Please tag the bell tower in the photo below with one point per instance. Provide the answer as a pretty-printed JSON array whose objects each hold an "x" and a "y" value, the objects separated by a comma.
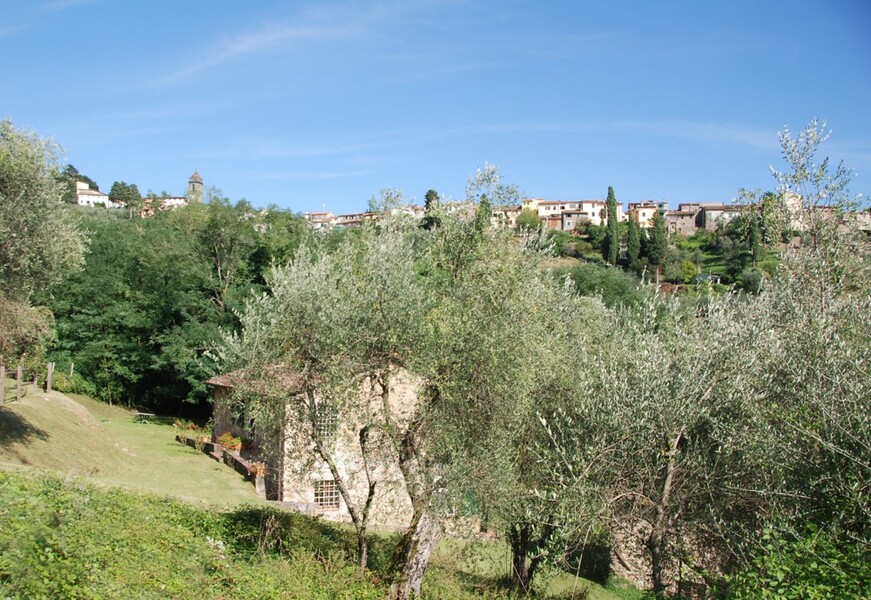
[{"x": 195, "y": 188}]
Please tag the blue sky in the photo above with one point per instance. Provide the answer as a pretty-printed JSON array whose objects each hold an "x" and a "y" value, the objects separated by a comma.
[{"x": 321, "y": 104}]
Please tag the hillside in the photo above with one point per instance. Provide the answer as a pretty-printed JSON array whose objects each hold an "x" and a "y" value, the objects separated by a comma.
[
  {"x": 78, "y": 436},
  {"x": 96, "y": 505}
]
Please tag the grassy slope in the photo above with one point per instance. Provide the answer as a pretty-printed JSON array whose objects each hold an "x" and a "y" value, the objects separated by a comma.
[
  {"x": 79, "y": 436},
  {"x": 68, "y": 539}
]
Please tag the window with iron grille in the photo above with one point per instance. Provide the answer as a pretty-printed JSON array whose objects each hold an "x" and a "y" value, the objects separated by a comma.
[
  {"x": 326, "y": 494},
  {"x": 326, "y": 422}
]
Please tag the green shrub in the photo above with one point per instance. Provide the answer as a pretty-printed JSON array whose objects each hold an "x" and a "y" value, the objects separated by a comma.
[
  {"x": 72, "y": 385},
  {"x": 751, "y": 280},
  {"x": 819, "y": 565},
  {"x": 613, "y": 285}
]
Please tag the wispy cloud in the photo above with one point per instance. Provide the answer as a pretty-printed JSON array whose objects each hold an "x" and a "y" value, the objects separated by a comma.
[
  {"x": 257, "y": 41},
  {"x": 731, "y": 133},
  {"x": 324, "y": 23},
  {"x": 29, "y": 17},
  {"x": 276, "y": 149}
]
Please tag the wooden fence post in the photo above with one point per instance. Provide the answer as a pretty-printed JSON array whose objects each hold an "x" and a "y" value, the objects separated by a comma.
[
  {"x": 48, "y": 377},
  {"x": 2, "y": 383},
  {"x": 72, "y": 364}
]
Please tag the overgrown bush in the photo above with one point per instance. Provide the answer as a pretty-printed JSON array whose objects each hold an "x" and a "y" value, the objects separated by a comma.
[
  {"x": 817, "y": 565},
  {"x": 615, "y": 286},
  {"x": 72, "y": 385}
]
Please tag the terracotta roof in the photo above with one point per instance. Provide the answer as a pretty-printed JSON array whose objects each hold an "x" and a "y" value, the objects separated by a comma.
[{"x": 277, "y": 378}]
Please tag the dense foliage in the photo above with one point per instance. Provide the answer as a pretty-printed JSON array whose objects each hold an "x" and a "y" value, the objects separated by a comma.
[
  {"x": 40, "y": 241},
  {"x": 154, "y": 294}
]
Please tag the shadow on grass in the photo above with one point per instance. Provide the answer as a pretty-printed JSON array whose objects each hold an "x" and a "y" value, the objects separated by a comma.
[
  {"x": 257, "y": 530},
  {"x": 16, "y": 429}
]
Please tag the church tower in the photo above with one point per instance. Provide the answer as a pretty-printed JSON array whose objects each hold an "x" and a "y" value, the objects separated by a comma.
[{"x": 195, "y": 188}]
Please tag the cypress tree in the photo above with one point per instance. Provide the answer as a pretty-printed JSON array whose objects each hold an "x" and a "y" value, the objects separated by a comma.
[
  {"x": 611, "y": 246},
  {"x": 754, "y": 238},
  {"x": 657, "y": 243},
  {"x": 431, "y": 217},
  {"x": 483, "y": 214},
  {"x": 633, "y": 241}
]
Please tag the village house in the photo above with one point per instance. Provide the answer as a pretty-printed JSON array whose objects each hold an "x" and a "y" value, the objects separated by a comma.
[
  {"x": 681, "y": 221},
  {"x": 688, "y": 218},
  {"x": 505, "y": 216},
  {"x": 85, "y": 196},
  {"x": 565, "y": 215},
  {"x": 352, "y": 220},
  {"x": 412, "y": 210},
  {"x": 715, "y": 216},
  {"x": 323, "y": 220},
  {"x": 297, "y": 476},
  {"x": 643, "y": 212}
]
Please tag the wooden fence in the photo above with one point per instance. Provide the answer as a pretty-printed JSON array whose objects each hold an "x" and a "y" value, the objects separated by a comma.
[{"x": 20, "y": 382}]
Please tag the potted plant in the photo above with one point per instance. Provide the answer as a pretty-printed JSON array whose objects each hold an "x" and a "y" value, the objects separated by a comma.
[{"x": 230, "y": 441}]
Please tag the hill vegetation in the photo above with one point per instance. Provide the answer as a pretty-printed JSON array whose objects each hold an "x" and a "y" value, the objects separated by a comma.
[{"x": 720, "y": 438}]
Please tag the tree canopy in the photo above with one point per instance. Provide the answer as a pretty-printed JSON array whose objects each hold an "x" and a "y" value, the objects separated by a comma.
[
  {"x": 40, "y": 242},
  {"x": 154, "y": 293}
]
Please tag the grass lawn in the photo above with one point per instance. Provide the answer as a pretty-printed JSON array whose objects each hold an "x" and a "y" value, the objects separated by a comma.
[{"x": 80, "y": 436}]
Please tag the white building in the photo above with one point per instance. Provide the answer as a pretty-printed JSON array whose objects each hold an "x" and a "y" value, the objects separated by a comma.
[{"x": 85, "y": 196}]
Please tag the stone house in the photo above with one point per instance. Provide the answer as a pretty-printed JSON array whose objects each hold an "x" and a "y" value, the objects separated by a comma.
[
  {"x": 682, "y": 222},
  {"x": 715, "y": 216},
  {"x": 297, "y": 476}
]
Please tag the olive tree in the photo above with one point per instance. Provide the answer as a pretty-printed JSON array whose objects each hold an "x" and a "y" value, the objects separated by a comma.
[
  {"x": 645, "y": 431},
  {"x": 40, "y": 242},
  {"x": 390, "y": 303},
  {"x": 807, "y": 384},
  {"x": 487, "y": 183},
  {"x": 331, "y": 321},
  {"x": 507, "y": 331}
]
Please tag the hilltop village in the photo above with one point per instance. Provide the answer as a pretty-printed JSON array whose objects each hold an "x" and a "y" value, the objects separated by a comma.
[
  {"x": 566, "y": 215},
  {"x": 554, "y": 215},
  {"x": 570, "y": 215}
]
